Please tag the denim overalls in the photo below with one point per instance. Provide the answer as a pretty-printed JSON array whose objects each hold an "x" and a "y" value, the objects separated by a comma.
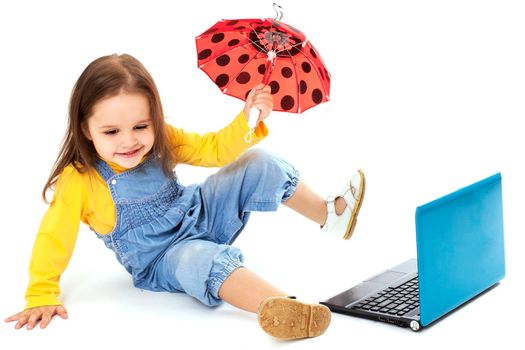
[{"x": 177, "y": 239}]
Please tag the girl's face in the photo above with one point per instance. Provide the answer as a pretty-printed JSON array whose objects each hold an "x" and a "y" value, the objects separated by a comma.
[{"x": 121, "y": 129}]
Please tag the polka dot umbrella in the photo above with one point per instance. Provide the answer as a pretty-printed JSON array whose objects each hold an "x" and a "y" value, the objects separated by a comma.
[{"x": 241, "y": 53}]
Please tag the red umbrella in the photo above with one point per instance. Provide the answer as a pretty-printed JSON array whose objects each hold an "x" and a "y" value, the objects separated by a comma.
[{"x": 240, "y": 53}]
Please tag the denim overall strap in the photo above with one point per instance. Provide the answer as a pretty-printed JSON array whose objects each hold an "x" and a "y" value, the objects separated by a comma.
[{"x": 104, "y": 170}]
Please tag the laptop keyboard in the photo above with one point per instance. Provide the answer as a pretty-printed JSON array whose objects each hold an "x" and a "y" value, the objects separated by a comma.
[{"x": 397, "y": 301}]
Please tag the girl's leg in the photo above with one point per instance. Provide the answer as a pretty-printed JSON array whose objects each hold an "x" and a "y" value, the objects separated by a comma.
[
  {"x": 309, "y": 204},
  {"x": 236, "y": 292},
  {"x": 257, "y": 181},
  {"x": 278, "y": 315}
]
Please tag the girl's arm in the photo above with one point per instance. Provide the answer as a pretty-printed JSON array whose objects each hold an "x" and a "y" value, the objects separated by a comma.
[
  {"x": 52, "y": 250},
  {"x": 224, "y": 146}
]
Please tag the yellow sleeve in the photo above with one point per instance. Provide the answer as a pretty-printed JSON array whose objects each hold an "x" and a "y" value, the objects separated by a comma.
[
  {"x": 55, "y": 240},
  {"x": 214, "y": 148}
]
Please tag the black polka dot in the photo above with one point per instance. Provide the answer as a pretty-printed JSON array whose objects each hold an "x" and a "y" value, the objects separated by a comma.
[
  {"x": 254, "y": 38},
  {"x": 302, "y": 87},
  {"x": 240, "y": 28},
  {"x": 244, "y": 58},
  {"x": 216, "y": 38},
  {"x": 223, "y": 60},
  {"x": 233, "y": 42},
  {"x": 317, "y": 96},
  {"x": 306, "y": 67},
  {"x": 232, "y": 23},
  {"x": 222, "y": 80},
  {"x": 204, "y": 54},
  {"x": 314, "y": 54},
  {"x": 262, "y": 68},
  {"x": 286, "y": 72},
  {"x": 287, "y": 102},
  {"x": 275, "y": 87},
  {"x": 243, "y": 78},
  {"x": 321, "y": 73}
]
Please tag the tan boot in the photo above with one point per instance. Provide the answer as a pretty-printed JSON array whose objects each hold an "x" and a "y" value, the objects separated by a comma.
[{"x": 288, "y": 318}]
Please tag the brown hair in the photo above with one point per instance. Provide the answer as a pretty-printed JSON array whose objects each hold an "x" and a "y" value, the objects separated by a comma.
[{"x": 107, "y": 76}]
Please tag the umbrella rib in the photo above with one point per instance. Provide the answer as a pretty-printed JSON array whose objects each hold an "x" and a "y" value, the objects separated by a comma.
[
  {"x": 253, "y": 42},
  {"x": 291, "y": 47}
]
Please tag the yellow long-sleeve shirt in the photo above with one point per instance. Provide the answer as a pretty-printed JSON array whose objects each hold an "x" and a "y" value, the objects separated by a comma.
[{"x": 84, "y": 197}]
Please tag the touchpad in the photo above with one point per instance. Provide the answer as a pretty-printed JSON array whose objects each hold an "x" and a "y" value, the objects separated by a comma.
[{"x": 386, "y": 277}]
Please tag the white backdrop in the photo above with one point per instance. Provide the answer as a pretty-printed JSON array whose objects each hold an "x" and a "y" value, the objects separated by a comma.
[{"x": 427, "y": 97}]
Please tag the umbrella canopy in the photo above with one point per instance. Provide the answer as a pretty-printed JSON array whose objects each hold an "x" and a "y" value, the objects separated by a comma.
[{"x": 238, "y": 54}]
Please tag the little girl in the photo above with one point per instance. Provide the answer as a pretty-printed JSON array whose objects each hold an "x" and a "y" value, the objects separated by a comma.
[{"x": 114, "y": 172}]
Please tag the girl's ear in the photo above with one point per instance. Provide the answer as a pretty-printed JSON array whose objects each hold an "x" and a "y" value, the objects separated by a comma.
[{"x": 85, "y": 131}]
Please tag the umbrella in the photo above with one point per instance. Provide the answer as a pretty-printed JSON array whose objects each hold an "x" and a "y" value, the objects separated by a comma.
[{"x": 241, "y": 53}]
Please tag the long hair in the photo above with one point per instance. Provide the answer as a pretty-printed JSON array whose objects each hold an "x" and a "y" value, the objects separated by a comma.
[{"x": 107, "y": 76}]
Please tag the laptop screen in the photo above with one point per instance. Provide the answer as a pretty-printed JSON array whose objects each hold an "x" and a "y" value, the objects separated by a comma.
[{"x": 460, "y": 249}]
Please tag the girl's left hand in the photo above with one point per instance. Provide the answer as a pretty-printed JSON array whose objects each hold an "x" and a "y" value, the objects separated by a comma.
[{"x": 260, "y": 97}]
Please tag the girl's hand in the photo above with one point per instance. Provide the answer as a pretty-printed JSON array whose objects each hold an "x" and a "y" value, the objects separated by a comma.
[
  {"x": 44, "y": 314},
  {"x": 260, "y": 97}
]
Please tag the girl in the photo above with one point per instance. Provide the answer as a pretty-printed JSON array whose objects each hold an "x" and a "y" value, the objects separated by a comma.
[{"x": 114, "y": 172}]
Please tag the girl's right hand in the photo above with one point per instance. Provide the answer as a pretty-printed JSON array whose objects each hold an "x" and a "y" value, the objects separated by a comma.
[{"x": 44, "y": 314}]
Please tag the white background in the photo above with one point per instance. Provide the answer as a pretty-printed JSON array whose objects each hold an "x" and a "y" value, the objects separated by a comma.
[{"x": 427, "y": 97}]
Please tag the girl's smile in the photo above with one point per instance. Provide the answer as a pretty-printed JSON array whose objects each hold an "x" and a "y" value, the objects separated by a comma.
[{"x": 130, "y": 154}]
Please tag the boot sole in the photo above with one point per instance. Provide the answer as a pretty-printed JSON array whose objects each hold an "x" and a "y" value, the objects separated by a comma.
[
  {"x": 286, "y": 318},
  {"x": 352, "y": 223}
]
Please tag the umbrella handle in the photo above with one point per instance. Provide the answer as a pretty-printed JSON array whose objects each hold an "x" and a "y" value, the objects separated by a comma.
[
  {"x": 248, "y": 136},
  {"x": 270, "y": 63},
  {"x": 252, "y": 123},
  {"x": 279, "y": 11}
]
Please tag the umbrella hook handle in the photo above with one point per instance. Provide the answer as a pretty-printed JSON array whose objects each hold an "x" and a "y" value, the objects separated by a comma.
[{"x": 279, "y": 11}]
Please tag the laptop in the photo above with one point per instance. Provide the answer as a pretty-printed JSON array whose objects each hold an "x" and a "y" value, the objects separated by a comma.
[{"x": 460, "y": 254}]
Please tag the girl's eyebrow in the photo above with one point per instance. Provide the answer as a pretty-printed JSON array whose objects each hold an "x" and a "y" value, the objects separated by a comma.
[{"x": 116, "y": 126}]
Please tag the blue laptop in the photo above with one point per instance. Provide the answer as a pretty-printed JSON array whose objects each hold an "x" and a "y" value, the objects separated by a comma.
[{"x": 460, "y": 254}]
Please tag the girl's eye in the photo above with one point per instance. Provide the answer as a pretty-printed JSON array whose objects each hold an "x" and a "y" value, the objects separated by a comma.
[
  {"x": 141, "y": 127},
  {"x": 110, "y": 132}
]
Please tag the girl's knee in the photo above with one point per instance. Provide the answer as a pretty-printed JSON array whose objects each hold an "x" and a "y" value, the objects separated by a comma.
[
  {"x": 257, "y": 156},
  {"x": 260, "y": 161},
  {"x": 200, "y": 267}
]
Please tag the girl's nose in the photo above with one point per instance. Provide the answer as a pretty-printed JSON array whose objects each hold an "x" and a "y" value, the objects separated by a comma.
[{"x": 129, "y": 139}]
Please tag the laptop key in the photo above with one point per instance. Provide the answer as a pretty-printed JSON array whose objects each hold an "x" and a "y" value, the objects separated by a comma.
[{"x": 401, "y": 307}]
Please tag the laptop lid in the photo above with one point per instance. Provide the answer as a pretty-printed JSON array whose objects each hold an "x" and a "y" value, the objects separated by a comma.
[{"x": 460, "y": 250}]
